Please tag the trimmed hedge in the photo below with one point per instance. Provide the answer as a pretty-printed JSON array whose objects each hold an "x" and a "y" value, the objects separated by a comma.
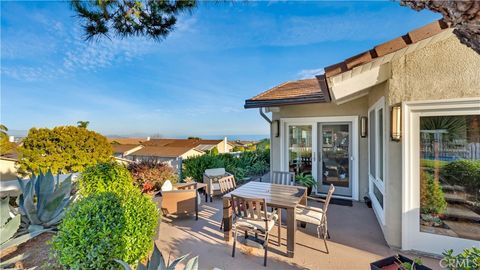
[
  {"x": 138, "y": 221},
  {"x": 91, "y": 234},
  {"x": 246, "y": 164}
]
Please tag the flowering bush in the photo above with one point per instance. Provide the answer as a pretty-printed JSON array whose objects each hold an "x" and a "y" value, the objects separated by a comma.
[{"x": 150, "y": 176}]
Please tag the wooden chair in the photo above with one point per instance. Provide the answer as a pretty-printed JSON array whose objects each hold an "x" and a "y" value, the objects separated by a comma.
[
  {"x": 226, "y": 185},
  {"x": 251, "y": 215},
  {"x": 283, "y": 178},
  {"x": 183, "y": 200},
  {"x": 317, "y": 216},
  {"x": 211, "y": 178}
]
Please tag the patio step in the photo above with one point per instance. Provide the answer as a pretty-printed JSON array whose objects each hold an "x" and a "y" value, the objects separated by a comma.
[
  {"x": 455, "y": 198},
  {"x": 446, "y": 187},
  {"x": 461, "y": 212},
  {"x": 464, "y": 229}
]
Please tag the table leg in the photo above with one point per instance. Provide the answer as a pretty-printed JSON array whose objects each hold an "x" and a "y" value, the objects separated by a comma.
[
  {"x": 227, "y": 219},
  {"x": 279, "y": 226},
  {"x": 291, "y": 230}
]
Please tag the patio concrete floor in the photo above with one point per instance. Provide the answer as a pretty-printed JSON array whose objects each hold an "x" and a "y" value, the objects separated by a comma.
[{"x": 356, "y": 240}]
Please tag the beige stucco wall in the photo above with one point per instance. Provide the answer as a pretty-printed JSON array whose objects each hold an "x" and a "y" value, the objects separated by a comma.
[
  {"x": 357, "y": 107},
  {"x": 8, "y": 170},
  {"x": 443, "y": 70},
  {"x": 191, "y": 153}
]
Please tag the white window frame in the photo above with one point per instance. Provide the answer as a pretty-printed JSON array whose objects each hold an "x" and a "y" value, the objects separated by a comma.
[
  {"x": 375, "y": 180},
  {"x": 412, "y": 237}
]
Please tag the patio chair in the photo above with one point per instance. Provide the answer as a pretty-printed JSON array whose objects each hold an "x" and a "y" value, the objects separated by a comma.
[
  {"x": 182, "y": 200},
  {"x": 251, "y": 215},
  {"x": 226, "y": 185},
  {"x": 317, "y": 216},
  {"x": 283, "y": 178},
  {"x": 211, "y": 178}
]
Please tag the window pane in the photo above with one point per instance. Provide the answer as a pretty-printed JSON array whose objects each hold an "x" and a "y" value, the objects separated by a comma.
[
  {"x": 378, "y": 195},
  {"x": 371, "y": 139},
  {"x": 300, "y": 149},
  {"x": 380, "y": 144},
  {"x": 450, "y": 176}
]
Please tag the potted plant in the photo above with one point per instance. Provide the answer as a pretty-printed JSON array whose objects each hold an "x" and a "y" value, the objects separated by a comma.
[
  {"x": 306, "y": 180},
  {"x": 398, "y": 262}
]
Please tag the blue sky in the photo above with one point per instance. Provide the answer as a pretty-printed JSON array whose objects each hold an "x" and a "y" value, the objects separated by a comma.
[{"x": 193, "y": 83}]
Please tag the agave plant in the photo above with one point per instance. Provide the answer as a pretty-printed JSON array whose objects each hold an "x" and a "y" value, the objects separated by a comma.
[
  {"x": 157, "y": 262},
  {"x": 43, "y": 200},
  {"x": 9, "y": 225}
]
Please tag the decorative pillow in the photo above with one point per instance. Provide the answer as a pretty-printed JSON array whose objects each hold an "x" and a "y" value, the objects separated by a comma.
[{"x": 167, "y": 186}]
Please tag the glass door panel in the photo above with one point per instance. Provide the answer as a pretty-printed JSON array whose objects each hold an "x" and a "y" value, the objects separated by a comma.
[
  {"x": 334, "y": 162},
  {"x": 300, "y": 149}
]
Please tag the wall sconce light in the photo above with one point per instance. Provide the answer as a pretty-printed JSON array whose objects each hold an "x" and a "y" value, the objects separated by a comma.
[
  {"x": 363, "y": 126},
  {"x": 396, "y": 123},
  {"x": 276, "y": 128}
]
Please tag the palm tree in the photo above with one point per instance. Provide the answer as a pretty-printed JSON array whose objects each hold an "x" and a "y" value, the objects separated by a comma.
[{"x": 83, "y": 124}]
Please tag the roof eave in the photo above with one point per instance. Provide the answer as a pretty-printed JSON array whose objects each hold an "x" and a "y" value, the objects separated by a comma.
[{"x": 250, "y": 104}]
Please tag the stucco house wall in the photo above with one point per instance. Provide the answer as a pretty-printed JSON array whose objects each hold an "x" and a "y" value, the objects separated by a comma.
[
  {"x": 443, "y": 70},
  {"x": 8, "y": 169}
]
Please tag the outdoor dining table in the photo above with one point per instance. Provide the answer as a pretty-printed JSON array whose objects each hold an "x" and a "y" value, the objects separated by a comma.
[{"x": 276, "y": 196}]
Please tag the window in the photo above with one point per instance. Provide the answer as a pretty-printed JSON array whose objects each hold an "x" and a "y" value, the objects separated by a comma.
[
  {"x": 450, "y": 175},
  {"x": 376, "y": 156},
  {"x": 300, "y": 149}
]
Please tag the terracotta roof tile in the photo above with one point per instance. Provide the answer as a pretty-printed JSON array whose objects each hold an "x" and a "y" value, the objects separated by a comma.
[
  {"x": 126, "y": 140},
  {"x": 179, "y": 142},
  {"x": 301, "y": 91},
  {"x": 161, "y": 151},
  {"x": 122, "y": 148},
  {"x": 391, "y": 46}
]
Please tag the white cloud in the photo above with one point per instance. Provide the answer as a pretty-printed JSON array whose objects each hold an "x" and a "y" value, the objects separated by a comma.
[{"x": 309, "y": 73}]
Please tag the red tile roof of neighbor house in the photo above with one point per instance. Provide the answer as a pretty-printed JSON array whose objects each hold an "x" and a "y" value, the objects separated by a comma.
[
  {"x": 161, "y": 151},
  {"x": 311, "y": 91},
  {"x": 136, "y": 141},
  {"x": 180, "y": 142},
  {"x": 122, "y": 148}
]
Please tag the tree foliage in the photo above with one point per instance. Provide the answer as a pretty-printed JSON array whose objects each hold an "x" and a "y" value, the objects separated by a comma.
[
  {"x": 62, "y": 149},
  {"x": 83, "y": 124},
  {"x": 126, "y": 18}
]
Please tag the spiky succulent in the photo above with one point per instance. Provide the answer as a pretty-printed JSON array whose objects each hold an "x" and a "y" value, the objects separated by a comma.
[
  {"x": 9, "y": 225},
  {"x": 43, "y": 200},
  {"x": 157, "y": 262}
]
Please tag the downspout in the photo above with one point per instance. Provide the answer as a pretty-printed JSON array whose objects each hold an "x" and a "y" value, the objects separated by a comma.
[{"x": 265, "y": 117}]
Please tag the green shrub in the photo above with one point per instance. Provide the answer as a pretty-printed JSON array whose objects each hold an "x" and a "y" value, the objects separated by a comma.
[
  {"x": 105, "y": 177},
  {"x": 141, "y": 220},
  {"x": 91, "y": 234},
  {"x": 469, "y": 259},
  {"x": 151, "y": 174},
  {"x": 432, "y": 199},
  {"x": 140, "y": 215},
  {"x": 246, "y": 164},
  {"x": 465, "y": 173}
]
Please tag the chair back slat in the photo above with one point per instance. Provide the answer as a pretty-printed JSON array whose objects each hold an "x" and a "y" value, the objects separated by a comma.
[
  {"x": 249, "y": 208},
  {"x": 283, "y": 178},
  {"x": 328, "y": 198}
]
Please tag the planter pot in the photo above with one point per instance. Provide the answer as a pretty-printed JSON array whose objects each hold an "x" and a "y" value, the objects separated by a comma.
[
  {"x": 389, "y": 263},
  {"x": 309, "y": 191},
  {"x": 368, "y": 202}
]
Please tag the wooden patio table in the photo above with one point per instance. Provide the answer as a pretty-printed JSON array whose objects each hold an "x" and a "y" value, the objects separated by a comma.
[{"x": 276, "y": 196}]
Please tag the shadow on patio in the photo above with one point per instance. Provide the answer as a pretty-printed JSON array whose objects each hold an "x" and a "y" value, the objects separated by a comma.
[{"x": 356, "y": 240}]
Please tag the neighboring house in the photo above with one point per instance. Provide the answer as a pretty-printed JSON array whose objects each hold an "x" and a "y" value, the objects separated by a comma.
[
  {"x": 203, "y": 145},
  {"x": 134, "y": 141},
  {"x": 381, "y": 124},
  {"x": 123, "y": 150},
  {"x": 163, "y": 153},
  {"x": 8, "y": 168}
]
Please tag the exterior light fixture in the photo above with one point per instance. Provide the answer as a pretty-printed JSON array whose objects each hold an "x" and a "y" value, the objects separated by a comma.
[
  {"x": 363, "y": 126},
  {"x": 276, "y": 128},
  {"x": 396, "y": 123}
]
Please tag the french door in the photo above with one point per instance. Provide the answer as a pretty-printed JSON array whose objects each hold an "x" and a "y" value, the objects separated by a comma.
[
  {"x": 324, "y": 147},
  {"x": 335, "y": 157}
]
